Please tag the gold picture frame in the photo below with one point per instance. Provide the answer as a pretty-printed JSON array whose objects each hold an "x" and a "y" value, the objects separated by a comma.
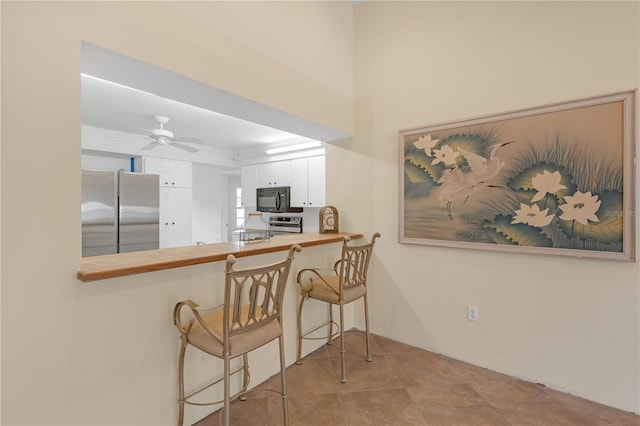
[{"x": 556, "y": 179}]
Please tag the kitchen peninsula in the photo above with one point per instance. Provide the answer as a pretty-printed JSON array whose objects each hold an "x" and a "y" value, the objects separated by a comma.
[{"x": 118, "y": 265}]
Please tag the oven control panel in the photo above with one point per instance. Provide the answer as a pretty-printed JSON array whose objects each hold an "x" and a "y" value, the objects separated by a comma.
[{"x": 285, "y": 224}]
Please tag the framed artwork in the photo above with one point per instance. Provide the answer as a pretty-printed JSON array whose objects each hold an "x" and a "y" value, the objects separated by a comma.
[{"x": 556, "y": 179}]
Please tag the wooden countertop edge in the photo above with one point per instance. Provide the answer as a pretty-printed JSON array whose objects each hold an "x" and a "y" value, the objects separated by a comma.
[{"x": 104, "y": 267}]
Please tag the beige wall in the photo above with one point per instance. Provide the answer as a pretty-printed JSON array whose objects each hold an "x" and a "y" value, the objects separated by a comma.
[
  {"x": 102, "y": 353},
  {"x": 105, "y": 352},
  {"x": 573, "y": 324}
]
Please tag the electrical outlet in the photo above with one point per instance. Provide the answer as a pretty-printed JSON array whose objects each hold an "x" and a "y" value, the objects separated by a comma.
[{"x": 472, "y": 313}]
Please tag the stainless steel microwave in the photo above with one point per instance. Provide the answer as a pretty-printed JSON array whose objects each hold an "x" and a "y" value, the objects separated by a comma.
[{"x": 275, "y": 200}]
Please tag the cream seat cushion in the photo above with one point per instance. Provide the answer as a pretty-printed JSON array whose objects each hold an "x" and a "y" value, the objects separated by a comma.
[
  {"x": 240, "y": 343},
  {"x": 329, "y": 294}
]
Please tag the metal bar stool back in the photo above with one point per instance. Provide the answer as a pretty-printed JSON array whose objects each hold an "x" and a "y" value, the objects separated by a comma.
[
  {"x": 347, "y": 283},
  {"x": 249, "y": 318}
]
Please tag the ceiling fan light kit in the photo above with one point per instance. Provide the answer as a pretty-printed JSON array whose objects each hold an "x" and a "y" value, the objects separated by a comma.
[
  {"x": 162, "y": 136},
  {"x": 162, "y": 132}
]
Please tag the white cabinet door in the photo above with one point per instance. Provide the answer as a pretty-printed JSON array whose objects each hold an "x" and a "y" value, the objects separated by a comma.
[
  {"x": 173, "y": 173},
  {"x": 265, "y": 175},
  {"x": 175, "y": 217},
  {"x": 273, "y": 174},
  {"x": 281, "y": 173},
  {"x": 181, "y": 173},
  {"x": 175, "y": 199},
  {"x": 308, "y": 182},
  {"x": 249, "y": 184},
  {"x": 299, "y": 172},
  {"x": 316, "y": 192}
]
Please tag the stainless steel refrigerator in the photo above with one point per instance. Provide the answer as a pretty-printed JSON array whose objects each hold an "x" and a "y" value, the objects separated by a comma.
[{"x": 120, "y": 212}]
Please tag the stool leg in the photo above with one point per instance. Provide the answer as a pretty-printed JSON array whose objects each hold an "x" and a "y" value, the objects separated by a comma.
[
  {"x": 366, "y": 325},
  {"x": 342, "y": 348},
  {"x": 283, "y": 380},
  {"x": 245, "y": 376},
  {"x": 226, "y": 410},
  {"x": 330, "y": 336},
  {"x": 183, "y": 348},
  {"x": 299, "y": 352}
]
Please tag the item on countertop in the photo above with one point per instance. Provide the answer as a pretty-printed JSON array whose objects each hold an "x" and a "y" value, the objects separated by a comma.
[
  {"x": 329, "y": 220},
  {"x": 254, "y": 229}
]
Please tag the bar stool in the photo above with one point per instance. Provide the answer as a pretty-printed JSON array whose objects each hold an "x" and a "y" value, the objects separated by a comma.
[
  {"x": 249, "y": 318},
  {"x": 347, "y": 284}
]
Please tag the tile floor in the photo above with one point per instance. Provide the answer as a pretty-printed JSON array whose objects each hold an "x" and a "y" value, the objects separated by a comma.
[{"x": 404, "y": 385}]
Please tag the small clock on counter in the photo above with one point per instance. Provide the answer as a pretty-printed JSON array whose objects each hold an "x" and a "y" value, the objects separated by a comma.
[{"x": 329, "y": 220}]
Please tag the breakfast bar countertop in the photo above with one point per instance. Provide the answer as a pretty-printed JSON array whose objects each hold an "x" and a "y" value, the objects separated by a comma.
[{"x": 122, "y": 264}]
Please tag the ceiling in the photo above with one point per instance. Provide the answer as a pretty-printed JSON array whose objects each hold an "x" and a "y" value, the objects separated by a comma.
[
  {"x": 117, "y": 107},
  {"x": 122, "y": 94}
]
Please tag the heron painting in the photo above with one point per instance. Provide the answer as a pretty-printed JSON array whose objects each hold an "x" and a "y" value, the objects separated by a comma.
[{"x": 556, "y": 179}]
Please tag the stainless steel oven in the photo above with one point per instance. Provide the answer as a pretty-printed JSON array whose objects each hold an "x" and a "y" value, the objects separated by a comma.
[{"x": 279, "y": 225}]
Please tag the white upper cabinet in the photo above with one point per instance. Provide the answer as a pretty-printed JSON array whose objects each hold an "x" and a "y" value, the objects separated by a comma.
[
  {"x": 274, "y": 174},
  {"x": 249, "y": 184},
  {"x": 308, "y": 182},
  {"x": 316, "y": 182},
  {"x": 174, "y": 173}
]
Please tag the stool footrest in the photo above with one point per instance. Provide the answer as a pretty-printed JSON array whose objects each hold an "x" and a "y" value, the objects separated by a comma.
[
  {"x": 332, "y": 336},
  {"x": 207, "y": 386}
]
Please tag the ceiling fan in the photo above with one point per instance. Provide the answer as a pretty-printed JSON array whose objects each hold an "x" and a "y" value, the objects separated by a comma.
[{"x": 162, "y": 136}]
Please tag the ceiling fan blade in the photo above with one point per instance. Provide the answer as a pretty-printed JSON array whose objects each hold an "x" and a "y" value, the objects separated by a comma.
[
  {"x": 188, "y": 140},
  {"x": 149, "y": 146},
  {"x": 184, "y": 147}
]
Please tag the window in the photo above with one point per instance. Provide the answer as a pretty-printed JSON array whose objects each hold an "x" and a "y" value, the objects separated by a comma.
[{"x": 239, "y": 208}]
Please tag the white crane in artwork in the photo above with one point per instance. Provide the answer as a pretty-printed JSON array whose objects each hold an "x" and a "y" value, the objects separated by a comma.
[{"x": 457, "y": 184}]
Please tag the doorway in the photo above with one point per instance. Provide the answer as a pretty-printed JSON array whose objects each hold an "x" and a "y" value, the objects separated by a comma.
[{"x": 236, "y": 212}]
